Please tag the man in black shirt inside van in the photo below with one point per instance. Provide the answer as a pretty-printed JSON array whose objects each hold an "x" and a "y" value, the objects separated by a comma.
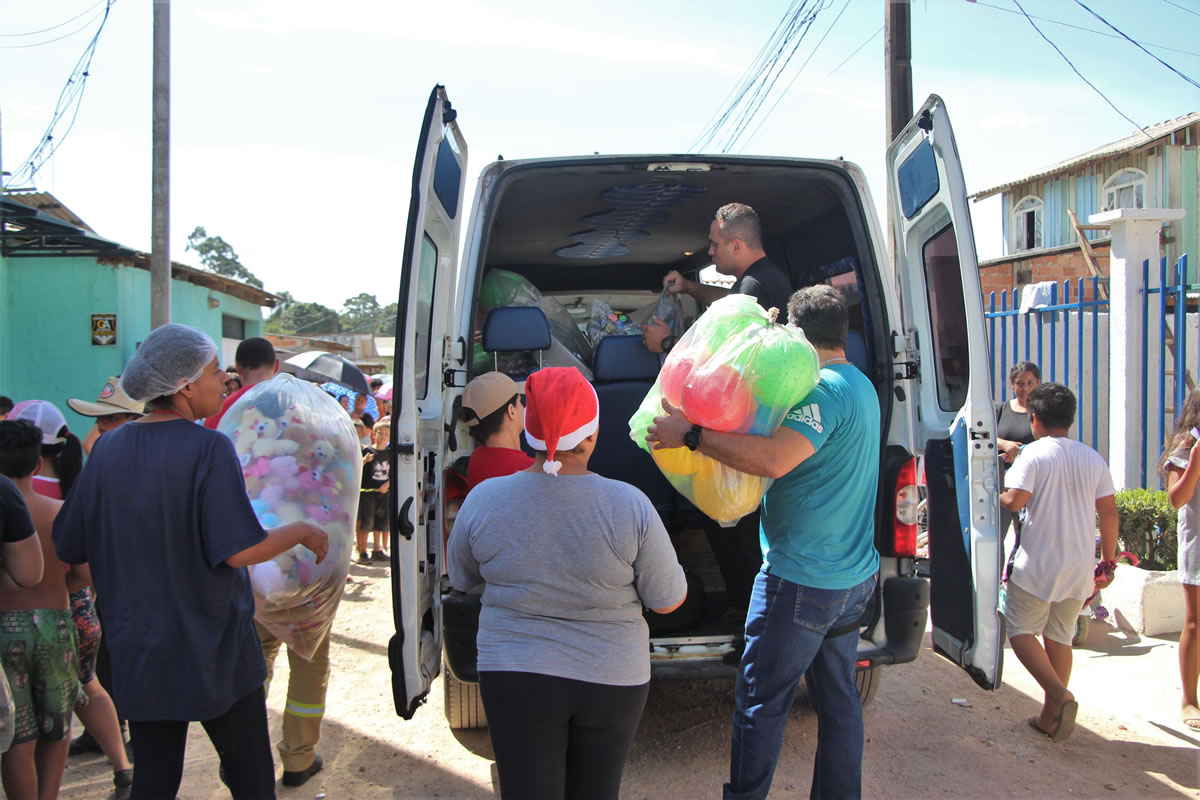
[{"x": 735, "y": 245}]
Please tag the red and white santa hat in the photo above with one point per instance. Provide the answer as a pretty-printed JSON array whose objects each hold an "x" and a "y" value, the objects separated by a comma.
[{"x": 561, "y": 410}]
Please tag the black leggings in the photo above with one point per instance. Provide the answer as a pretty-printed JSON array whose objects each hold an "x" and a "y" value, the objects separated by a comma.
[
  {"x": 559, "y": 738},
  {"x": 239, "y": 735}
]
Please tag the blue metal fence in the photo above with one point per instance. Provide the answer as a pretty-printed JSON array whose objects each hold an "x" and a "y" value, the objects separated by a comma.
[
  {"x": 1167, "y": 342},
  {"x": 1064, "y": 339}
]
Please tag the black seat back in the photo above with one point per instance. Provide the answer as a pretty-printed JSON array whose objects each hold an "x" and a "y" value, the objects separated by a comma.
[{"x": 624, "y": 371}]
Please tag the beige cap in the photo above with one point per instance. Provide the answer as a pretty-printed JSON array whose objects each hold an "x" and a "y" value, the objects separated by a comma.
[
  {"x": 112, "y": 400},
  {"x": 485, "y": 395}
]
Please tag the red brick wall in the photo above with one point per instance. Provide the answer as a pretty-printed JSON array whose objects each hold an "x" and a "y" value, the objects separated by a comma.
[{"x": 1057, "y": 267}]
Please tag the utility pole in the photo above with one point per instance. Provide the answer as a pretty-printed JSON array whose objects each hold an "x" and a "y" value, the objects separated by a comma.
[
  {"x": 897, "y": 84},
  {"x": 160, "y": 254}
]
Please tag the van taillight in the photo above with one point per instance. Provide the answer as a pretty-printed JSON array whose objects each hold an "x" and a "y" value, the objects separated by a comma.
[{"x": 904, "y": 517}]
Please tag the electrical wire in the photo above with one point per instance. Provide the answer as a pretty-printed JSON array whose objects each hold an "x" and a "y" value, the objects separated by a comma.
[
  {"x": 70, "y": 99},
  {"x": 1082, "y": 28},
  {"x": 762, "y": 63},
  {"x": 783, "y": 94},
  {"x": 856, "y": 51},
  {"x": 82, "y": 27},
  {"x": 1077, "y": 72},
  {"x": 1136, "y": 44},
  {"x": 53, "y": 27},
  {"x": 1184, "y": 8}
]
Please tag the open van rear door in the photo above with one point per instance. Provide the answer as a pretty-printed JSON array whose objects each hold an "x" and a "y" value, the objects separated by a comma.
[
  {"x": 947, "y": 348},
  {"x": 427, "y": 281}
]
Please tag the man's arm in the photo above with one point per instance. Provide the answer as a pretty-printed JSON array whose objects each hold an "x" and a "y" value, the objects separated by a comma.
[
  {"x": 21, "y": 564},
  {"x": 1015, "y": 499},
  {"x": 769, "y": 457},
  {"x": 675, "y": 283}
]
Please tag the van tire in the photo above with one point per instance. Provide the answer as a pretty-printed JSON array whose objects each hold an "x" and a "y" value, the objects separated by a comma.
[
  {"x": 464, "y": 704},
  {"x": 868, "y": 681}
]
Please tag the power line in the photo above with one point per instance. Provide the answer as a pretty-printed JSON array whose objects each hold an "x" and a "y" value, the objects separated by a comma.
[
  {"x": 1082, "y": 28},
  {"x": 1077, "y": 72},
  {"x": 795, "y": 77},
  {"x": 70, "y": 99},
  {"x": 866, "y": 42},
  {"x": 53, "y": 27},
  {"x": 1184, "y": 8},
  {"x": 1136, "y": 44},
  {"x": 82, "y": 27}
]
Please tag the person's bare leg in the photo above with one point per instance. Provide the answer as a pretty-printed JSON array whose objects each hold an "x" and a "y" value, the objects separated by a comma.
[
  {"x": 1033, "y": 657},
  {"x": 99, "y": 717},
  {"x": 1189, "y": 657},
  {"x": 18, "y": 771},
  {"x": 1061, "y": 658},
  {"x": 361, "y": 533},
  {"x": 51, "y": 760}
]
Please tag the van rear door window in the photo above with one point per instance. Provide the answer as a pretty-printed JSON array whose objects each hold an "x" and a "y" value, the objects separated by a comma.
[
  {"x": 447, "y": 176},
  {"x": 918, "y": 179},
  {"x": 426, "y": 280},
  {"x": 948, "y": 318}
]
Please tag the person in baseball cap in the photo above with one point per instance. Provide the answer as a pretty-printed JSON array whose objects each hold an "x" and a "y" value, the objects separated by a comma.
[
  {"x": 494, "y": 416},
  {"x": 112, "y": 409}
]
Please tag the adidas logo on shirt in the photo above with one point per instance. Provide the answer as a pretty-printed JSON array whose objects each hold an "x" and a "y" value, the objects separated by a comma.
[{"x": 809, "y": 415}]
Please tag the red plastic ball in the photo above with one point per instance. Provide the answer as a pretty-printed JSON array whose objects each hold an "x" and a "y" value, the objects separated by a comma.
[
  {"x": 673, "y": 377},
  {"x": 717, "y": 397}
]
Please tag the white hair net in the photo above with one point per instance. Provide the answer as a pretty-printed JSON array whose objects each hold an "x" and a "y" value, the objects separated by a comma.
[{"x": 171, "y": 357}]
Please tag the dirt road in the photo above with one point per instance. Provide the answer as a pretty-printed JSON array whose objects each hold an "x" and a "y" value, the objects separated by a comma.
[{"x": 1129, "y": 743}]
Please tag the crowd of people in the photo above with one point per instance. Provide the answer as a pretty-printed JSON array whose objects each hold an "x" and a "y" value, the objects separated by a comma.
[
  {"x": 97, "y": 605},
  {"x": 125, "y": 595}
]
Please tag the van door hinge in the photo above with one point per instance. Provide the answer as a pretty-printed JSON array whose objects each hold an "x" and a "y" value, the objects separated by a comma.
[
  {"x": 454, "y": 349},
  {"x": 906, "y": 371},
  {"x": 450, "y": 378}
]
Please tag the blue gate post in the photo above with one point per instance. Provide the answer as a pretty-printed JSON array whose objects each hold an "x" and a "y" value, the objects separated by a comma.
[
  {"x": 1145, "y": 360},
  {"x": 1163, "y": 288},
  {"x": 1180, "y": 278}
]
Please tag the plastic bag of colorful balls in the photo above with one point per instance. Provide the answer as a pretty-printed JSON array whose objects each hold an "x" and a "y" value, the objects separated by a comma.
[
  {"x": 734, "y": 370},
  {"x": 302, "y": 461}
]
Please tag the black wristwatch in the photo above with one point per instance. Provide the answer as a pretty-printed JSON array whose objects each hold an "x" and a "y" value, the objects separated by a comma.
[
  {"x": 667, "y": 343},
  {"x": 691, "y": 439}
]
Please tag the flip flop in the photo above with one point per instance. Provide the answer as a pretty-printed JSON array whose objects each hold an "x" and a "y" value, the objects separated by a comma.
[
  {"x": 1191, "y": 720},
  {"x": 1066, "y": 721},
  {"x": 1033, "y": 723}
]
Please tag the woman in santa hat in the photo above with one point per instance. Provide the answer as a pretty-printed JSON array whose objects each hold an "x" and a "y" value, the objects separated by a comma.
[{"x": 568, "y": 559}]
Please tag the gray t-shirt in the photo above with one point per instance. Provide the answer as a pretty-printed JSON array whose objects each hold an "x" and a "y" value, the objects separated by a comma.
[{"x": 568, "y": 562}]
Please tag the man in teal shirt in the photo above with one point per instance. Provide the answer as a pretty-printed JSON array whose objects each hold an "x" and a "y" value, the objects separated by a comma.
[{"x": 819, "y": 559}]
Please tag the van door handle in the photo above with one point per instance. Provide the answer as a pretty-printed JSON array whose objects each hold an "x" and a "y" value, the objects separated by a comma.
[{"x": 404, "y": 525}]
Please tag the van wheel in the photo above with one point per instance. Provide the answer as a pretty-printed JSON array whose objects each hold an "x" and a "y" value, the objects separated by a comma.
[
  {"x": 464, "y": 705},
  {"x": 867, "y": 681},
  {"x": 1083, "y": 626}
]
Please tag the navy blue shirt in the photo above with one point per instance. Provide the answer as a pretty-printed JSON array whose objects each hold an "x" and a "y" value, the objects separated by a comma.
[
  {"x": 15, "y": 522},
  {"x": 155, "y": 513},
  {"x": 767, "y": 284}
]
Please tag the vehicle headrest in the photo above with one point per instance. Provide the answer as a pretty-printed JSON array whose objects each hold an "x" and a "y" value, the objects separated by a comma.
[
  {"x": 857, "y": 352},
  {"x": 510, "y": 329},
  {"x": 623, "y": 358}
]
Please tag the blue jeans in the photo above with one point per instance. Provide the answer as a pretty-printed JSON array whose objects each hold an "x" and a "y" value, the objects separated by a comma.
[{"x": 785, "y": 639}]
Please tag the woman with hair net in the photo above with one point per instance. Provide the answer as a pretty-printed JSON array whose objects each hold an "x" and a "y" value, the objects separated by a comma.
[{"x": 160, "y": 513}]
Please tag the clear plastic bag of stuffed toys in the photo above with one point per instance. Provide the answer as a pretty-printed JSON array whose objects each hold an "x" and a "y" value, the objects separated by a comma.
[
  {"x": 734, "y": 371},
  {"x": 302, "y": 461}
]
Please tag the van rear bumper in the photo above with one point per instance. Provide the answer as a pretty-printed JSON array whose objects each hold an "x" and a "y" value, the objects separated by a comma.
[{"x": 906, "y": 609}]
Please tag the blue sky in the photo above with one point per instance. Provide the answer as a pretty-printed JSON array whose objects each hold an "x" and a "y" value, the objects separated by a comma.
[{"x": 295, "y": 121}]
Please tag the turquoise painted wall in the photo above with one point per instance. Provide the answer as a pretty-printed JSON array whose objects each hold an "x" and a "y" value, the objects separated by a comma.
[{"x": 45, "y": 328}]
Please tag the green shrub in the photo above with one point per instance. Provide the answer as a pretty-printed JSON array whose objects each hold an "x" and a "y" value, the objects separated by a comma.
[{"x": 1147, "y": 527}]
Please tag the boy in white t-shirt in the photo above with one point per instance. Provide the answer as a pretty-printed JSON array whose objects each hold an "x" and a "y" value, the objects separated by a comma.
[{"x": 1061, "y": 483}]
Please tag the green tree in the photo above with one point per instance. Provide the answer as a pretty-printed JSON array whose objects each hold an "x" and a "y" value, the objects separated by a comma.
[
  {"x": 360, "y": 313},
  {"x": 303, "y": 319},
  {"x": 217, "y": 255},
  {"x": 387, "y": 321}
]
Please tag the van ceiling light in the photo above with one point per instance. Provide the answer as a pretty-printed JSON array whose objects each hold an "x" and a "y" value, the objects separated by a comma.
[
  {"x": 689, "y": 252},
  {"x": 678, "y": 166},
  {"x": 633, "y": 208}
]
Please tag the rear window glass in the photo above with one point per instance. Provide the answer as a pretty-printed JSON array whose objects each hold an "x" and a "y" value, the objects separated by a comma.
[
  {"x": 447, "y": 177},
  {"x": 918, "y": 179},
  {"x": 948, "y": 318}
]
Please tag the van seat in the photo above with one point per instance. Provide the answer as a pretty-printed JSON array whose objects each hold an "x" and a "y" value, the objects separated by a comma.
[
  {"x": 624, "y": 371},
  {"x": 517, "y": 329},
  {"x": 858, "y": 354}
]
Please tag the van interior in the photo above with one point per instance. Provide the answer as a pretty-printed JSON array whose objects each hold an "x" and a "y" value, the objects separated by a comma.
[{"x": 609, "y": 229}]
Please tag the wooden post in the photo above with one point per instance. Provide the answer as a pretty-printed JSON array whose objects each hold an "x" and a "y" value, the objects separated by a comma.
[
  {"x": 897, "y": 86},
  {"x": 160, "y": 255}
]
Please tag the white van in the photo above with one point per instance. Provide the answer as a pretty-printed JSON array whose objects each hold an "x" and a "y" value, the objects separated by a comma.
[{"x": 609, "y": 227}]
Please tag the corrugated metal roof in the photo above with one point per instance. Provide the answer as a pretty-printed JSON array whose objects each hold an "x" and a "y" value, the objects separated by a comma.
[
  {"x": 49, "y": 204},
  {"x": 1147, "y": 137}
]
